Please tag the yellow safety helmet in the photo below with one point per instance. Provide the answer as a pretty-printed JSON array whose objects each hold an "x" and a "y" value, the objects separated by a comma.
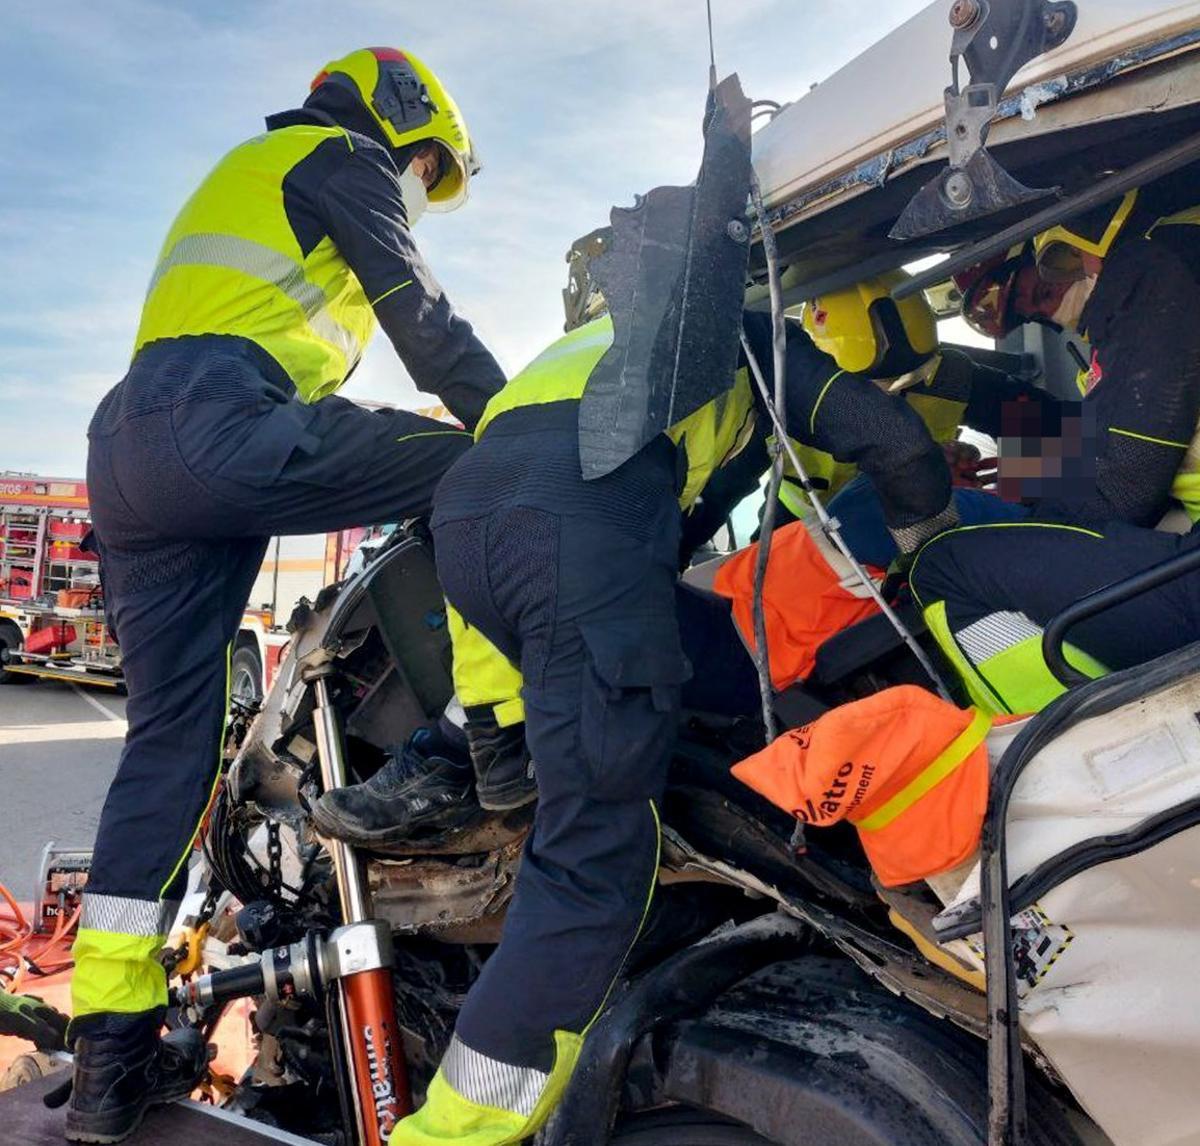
[
  {"x": 1059, "y": 250},
  {"x": 410, "y": 104},
  {"x": 866, "y": 331}
]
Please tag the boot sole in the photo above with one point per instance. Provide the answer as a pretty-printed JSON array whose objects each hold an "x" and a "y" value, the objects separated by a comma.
[
  {"x": 505, "y": 799},
  {"x": 117, "y": 1133}
]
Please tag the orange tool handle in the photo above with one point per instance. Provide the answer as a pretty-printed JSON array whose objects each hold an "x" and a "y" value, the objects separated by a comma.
[{"x": 377, "y": 1053}]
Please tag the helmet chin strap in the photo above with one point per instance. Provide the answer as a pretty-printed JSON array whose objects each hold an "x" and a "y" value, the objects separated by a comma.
[{"x": 412, "y": 191}]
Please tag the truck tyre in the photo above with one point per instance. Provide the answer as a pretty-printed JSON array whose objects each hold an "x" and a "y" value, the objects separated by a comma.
[
  {"x": 246, "y": 675},
  {"x": 10, "y": 642},
  {"x": 683, "y": 1126},
  {"x": 812, "y": 1052}
]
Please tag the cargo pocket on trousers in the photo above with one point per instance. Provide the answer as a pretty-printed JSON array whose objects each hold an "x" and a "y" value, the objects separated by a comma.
[{"x": 629, "y": 710}]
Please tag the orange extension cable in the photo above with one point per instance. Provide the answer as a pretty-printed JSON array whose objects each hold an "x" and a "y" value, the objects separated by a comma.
[{"x": 18, "y": 940}]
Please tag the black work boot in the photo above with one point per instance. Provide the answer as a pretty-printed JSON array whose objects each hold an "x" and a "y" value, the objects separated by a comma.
[
  {"x": 123, "y": 1067},
  {"x": 503, "y": 767},
  {"x": 410, "y": 795}
]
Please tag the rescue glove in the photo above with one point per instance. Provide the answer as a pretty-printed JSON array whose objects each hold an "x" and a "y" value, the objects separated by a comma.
[{"x": 27, "y": 1017}]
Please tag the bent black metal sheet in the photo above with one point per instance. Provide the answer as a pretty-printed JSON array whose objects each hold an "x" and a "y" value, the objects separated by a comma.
[{"x": 674, "y": 279}]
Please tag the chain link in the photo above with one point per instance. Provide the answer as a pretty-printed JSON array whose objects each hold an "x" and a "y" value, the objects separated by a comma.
[{"x": 274, "y": 857}]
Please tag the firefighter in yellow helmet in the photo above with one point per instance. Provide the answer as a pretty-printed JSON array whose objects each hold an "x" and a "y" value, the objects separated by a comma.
[
  {"x": 894, "y": 344},
  {"x": 226, "y": 430},
  {"x": 1126, "y": 276}
]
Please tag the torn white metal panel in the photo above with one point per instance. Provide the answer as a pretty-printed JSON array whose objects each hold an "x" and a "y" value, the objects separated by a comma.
[
  {"x": 832, "y": 129},
  {"x": 1106, "y": 960}
]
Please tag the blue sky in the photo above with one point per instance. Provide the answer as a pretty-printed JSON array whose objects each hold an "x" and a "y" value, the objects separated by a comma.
[{"x": 114, "y": 111}]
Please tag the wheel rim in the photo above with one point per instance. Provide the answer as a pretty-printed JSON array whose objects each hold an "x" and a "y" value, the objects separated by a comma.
[{"x": 243, "y": 686}]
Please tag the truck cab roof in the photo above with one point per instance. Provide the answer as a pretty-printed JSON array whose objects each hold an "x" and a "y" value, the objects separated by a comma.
[{"x": 838, "y": 169}]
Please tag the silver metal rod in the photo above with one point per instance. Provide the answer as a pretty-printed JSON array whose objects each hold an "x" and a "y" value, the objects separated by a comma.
[
  {"x": 333, "y": 775},
  {"x": 831, "y": 529},
  {"x": 766, "y": 531}
]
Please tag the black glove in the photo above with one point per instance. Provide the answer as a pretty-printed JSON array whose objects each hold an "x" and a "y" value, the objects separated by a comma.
[{"x": 27, "y": 1017}]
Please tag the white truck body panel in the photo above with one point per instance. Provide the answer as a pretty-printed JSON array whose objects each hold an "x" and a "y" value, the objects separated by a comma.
[
  {"x": 892, "y": 93},
  {"x": 1110, "y": 992}
]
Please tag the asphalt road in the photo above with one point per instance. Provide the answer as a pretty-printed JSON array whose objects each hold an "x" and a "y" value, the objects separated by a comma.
[{"x": 58, "y": 750}]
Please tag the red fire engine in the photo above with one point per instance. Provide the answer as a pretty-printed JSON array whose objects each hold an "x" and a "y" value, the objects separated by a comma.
[{"x": 52, "y": 623}]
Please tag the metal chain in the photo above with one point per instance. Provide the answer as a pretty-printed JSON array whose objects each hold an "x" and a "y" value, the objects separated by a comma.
[
  {"x": 171, "y": 957},
  {"x": 275, "y": 856}
]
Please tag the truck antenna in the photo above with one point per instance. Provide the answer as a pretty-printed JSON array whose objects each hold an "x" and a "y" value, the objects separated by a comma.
[{"x": 712, "y": 53}]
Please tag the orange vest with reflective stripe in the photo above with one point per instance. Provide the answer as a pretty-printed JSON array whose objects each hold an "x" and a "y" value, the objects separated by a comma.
[{"x": 908, "y": 769}]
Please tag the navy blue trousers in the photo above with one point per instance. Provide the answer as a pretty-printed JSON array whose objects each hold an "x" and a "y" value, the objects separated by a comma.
[
  {"x": 195, "y": 460},
  {"x": 582, "y": 598}
]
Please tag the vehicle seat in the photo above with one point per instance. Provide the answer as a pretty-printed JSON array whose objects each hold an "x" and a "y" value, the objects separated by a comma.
[{"x": 856, "y": 648}]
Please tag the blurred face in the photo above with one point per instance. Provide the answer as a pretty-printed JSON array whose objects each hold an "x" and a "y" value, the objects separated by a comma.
[{"x": 1034, "y": 298}]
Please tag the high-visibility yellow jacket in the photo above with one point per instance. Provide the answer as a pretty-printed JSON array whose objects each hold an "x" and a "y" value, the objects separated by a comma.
[{"x": 297, "y": 242}]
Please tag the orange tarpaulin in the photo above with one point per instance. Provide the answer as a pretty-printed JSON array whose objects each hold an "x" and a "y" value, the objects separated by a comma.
[{"x": 809, "y": 594}]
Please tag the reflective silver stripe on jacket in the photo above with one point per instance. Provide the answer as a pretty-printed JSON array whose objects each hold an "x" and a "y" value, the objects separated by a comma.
[
  {"x": 490, "y": 1082},
  {"x": 144, "y": 918},
  {"x": 995, "y": 633},
  {"x": 260, "y": 262}
]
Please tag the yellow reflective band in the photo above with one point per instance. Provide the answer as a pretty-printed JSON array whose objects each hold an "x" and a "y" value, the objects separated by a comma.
[
  {"x": 977, "y": 688},
  {"x": 483, "y": 675},
  {"x": 116, "y": 974},
  {"x": 945, "y": 764},
  {"x": 812, "y": 420},
  {"x": 449, "y": 1118},
  {"x": 393, "y": 290},
  {"x": 1148, "y": 438},
  {"x": 434, "y": 434},
  {"x": 257, "y": 260},
  {"x": 509, "y": 712},
  {"x": 793, "y": 498},
  {"x": 1021, "y": 676},
  {"x": 1186, "y": 490}
]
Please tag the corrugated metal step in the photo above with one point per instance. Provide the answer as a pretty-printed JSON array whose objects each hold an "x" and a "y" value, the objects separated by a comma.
[{"x": 25, "y": 1121}]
